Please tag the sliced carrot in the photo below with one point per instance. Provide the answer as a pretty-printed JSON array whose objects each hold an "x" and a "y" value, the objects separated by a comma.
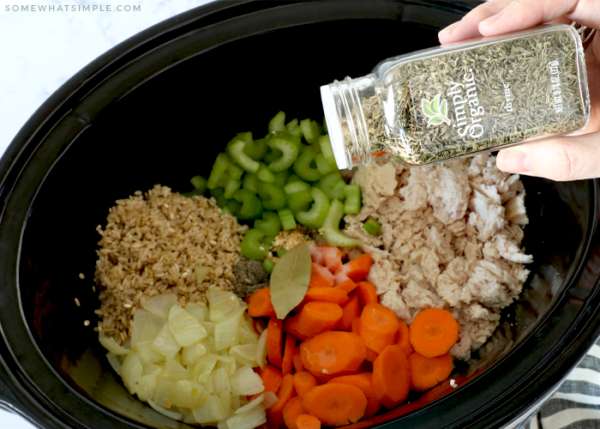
[
  {"x": 288, "y": 355},
  {"x": 404, "y": 338},
  {"x": 426, "y": 373},
  {"x": 275, "y": 341},
  {"x": 304, "y": 381},
  {"x": 306, "y": 421},
  {"x": 333, "y": 353},
  {"x": 325, "y": 294},
  {"x": 347, "y": 286},
  {"x": 332, "y": 257},
  {"x": 356, "y": 326},
  {"x": 336, "y": 404},
  {"x": 260, "y": 304},
  {"x": 433, "y": 332},
  {"x": 291, "y": 411},
  {"x": 271, "y": 378},
  {"x": 286, "y": 392},
  {"x": 275, "y": 419},
  {"x": 364, "y": 382},
  {"x": 290, "y": 326},
  {"x": 316, "y": 317},
  {"x": 378, "y": 326},
  {"x": 371, "y": 355},
  {"x": 320, "y": 276},
  {"x": 297, "y": 360},
  {"x": 366, "y": 294},
  {"x": 359, "y": 268},
  {"x": 350, "y": 311},
  {"x": 391, "y": 378}
]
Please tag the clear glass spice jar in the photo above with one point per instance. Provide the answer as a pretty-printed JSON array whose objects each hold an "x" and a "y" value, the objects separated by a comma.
[{"x": 457, "y": 100}]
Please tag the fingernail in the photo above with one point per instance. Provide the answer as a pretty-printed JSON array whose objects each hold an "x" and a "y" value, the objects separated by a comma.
[
  {"x": 492, "y": 19},
  {"x": 449, "y": 29},
  {"x": 513, "y": 161}
]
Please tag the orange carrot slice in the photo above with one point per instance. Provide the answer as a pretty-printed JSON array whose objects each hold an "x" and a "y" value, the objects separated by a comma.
[
  {"x": 304, "y": 382},
  {"x": 297, "y": 360},
  {"x": 290, "y": 326},
  {"x": 271, "y": 378},
  {"x": 333, "y": 353},
  {"x": 306, "y": 421},
  {"x": 433, "y": 332},
  {"x": 371, "y": 355},
  {"x": 291, "y": 411},
  {"x": 391, "y": 379},
  {"x": 325, "y": 294},
  {"x": 336, "y": 404},
  {"x": 350, "y": 311},
  {"x": 426, "y": 373},
  {"x": 366, "y": 294},
  {"x": 364, "y": 382},
  {"x": 288, "y": 355},
  {"x": 347, "y": 286},
  {"x": 378, "y": 326},
  {"x": 316, "y": 317},
  {"x": 358, "y": 268},
  {"x": 286, "y": 392},
  {"x": 404, "y": 338},
  {"x": 356, "y": 326},
  {"x": 320, "y": 276},
  {"x": 260, "y": 304},
  {"x": 275, "y": 341}
]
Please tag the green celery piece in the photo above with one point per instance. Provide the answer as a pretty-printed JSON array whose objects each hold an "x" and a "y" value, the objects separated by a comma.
[
  {"x": 250, "y": 182},
  {"x": 219, "y": 195},
  {"x": 288, "y": 146},
  {"x": 315, "y": 217},
  {"x": 331, "y": 227},
  {"x": 281, "y": 178},
  {"x": 296, "y": 186},
  {"x": 233, "y": 206},
  {"x": 245, "y": 137},
  {"x": 353, "y": 199},
  {"x": 300, "y": 201},
  {"x": 251, "y": 205},
  {"x": 322, "y": 165},
  {"x": 222, "y": 201},
  {"x": 222, "y": 167},
  {"x": 311, "y": 130},
  {"x": 268, "y": 266},
  {"x": 281, "y": 252},
  {"x": 333, "y": 185},
  {"x": 273, "y": 198},
  {"x": 272, "y": 155},
  {"x": 269, "y": 224},
  {"x": 293, "y": 178},
  {"x": 192, "y": 193},
  {"x": 237, "y": 154},
  {"x": 372, "y": 226},
  {"x": 268, "y": 240},
  {"x": 256, "y": 149},
  {"x": 225, "y": 210},
  {"x": 316, "y": 146},
  {"x": 306, "y": 148},
  {"x": 251, "y": 246},
  {"x": 327, "y": 150},
  {"x": 296, "y": 132},
  {"x": 287, "y": 219},
  {"x": 232, "y": 187},
  {"x": 278, "y": 122},
  {"x": 264, "y": 174},
  {"x": 302, "y": 167},
  {"x": 199, "y": 183},
  {"x": 292, "y": 125}
]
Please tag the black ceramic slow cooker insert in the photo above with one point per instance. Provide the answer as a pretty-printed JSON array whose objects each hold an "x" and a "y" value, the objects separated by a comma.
[{"x": 157, "y": 109}]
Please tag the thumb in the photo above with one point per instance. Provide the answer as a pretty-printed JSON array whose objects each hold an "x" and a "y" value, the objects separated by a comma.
[{"x": 560, "y": 159}]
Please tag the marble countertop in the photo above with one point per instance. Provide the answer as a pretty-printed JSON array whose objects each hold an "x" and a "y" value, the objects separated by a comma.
[{"x": 41, "y": 50}]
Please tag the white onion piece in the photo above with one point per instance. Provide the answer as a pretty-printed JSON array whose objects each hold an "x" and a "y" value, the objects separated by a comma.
[
  {"x": 261, "y": 350},
  {"x": 170, "y": 414},
  {"x": 111, "y": 345},
  {"x": 253, "y": 403},
  {"x": 160, "y": 305}
]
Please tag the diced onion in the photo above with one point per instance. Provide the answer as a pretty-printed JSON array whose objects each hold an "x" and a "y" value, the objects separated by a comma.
[
  {"x": 246, "y": 352},
  {"x": 185, "y": 328},
  {"x": 114, "y": 362},
  {"x": 199, "y": 311},
  {"x": 165, "y": 344},
  {"x": 146, "y": 326},
  {"x": 191, "y": 355},
  {"x": 270, "y": 399},
  {"x": 222, "y": 305},
  {"x": 175, "y": 371},
  {"x": 246, "y": 382},
  {"x": 147, "y": 387},
  {"x": 227, "y": 333},
  {"x": 160, "y": 305},
  {"x": 221, "y": 381},
  {"x": 261, "y": 350},
  {"x": 131, "y": 371},
  {"x": 170, "y": 414},
  {"x": 201, "y": 273},
  {"x": 165, "y": 390},
  {"x": 253, "y": 403},
  {"x": 144, "y": 351},
  {"x": 209, "y": 412},
  {"x": 248, "y": 420},
  {"x": 111, "y": 345},
  {"x": 203, "y": 368}
]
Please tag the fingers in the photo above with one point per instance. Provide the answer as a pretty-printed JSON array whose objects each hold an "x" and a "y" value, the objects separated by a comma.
[
  {"x": 467, "y": 28},
  {"x": 560, "y": 159}
]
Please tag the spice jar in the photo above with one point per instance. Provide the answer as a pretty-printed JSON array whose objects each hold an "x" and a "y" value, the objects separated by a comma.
[{"x": 457, "y": 100}]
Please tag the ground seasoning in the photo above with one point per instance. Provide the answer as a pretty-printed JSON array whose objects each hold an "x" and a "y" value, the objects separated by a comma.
[
  {"x": 250, "y": 276},
  {"x": 455, "y": 101}
]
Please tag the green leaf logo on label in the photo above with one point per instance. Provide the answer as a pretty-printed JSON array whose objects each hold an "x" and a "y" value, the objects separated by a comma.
[{"x": 436, "y": 112}]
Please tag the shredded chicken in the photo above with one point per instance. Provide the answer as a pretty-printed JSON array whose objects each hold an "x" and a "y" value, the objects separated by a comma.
[{"x": 450, "y": 238}]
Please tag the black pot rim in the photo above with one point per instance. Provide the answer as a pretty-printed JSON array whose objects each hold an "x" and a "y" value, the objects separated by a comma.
[{"x": 515, "y": 396}]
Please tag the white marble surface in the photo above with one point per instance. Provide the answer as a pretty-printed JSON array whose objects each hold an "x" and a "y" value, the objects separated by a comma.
[{"x": 42, "y": 50}]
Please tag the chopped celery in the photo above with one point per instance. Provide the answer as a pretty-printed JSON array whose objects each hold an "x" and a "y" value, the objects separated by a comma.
[
  {"x": 199, "y": 183},
  {"x": 245, "y": 137},
  {"x": 327, "y": 150},
  {"x": 306, "y": 147},
  {"x": 292, "y": 125},
  {"x": 251, "y": 205},
  {"x": 226, "y": 210},
  {"x": 269, "y": 224},
  {"x": 237, "y": 154},
  {"x": 233, "y": 206},
  {"x": 316, "y": 215},
  {"x": 268, "y": 266},
  {"x": 281, "y": 252},
  {"x": 299, "y": 201},
  {"x": 264, "y": 174},
  {"x": 353, "y": 199},
  {"x": 251, "y": 246},
  {"x": 322, "y": 165},
  {"x": 333, "y": 185},
  {"x": 331, "y": 227},
  {"x": 288, "y": 145},
  {"x": 272, "y": 155},
  {"x": 256, "y": 149},
  {"x": 281, "y": 178},
  {"x": 302, "y": 167},
  {"x": 311, "y": 130},
  {"x": 223, "y": 169},
  {"x": 293, "y": 187},
  {"x": 231, "y": 187},
  {"x": 293, "y": 178},
  {"x": 278, "y": 122},
  {"x": 250, "y": 182},
  {"x": 316, "y": 146},
  {"x": 273, "y": 198},
  {"x": 267, "y": 240},
  {"x": 287, "y": 219}
]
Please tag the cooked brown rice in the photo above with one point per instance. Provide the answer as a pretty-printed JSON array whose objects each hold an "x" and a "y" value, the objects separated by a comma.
[{"x": 151, "y": 245}]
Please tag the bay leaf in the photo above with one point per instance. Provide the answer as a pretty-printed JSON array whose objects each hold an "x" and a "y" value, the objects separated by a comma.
[{"x": 290, "y": 279}]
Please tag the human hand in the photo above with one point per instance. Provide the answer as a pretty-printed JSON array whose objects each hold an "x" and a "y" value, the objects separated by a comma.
[{"x": 559, "y": 158}]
